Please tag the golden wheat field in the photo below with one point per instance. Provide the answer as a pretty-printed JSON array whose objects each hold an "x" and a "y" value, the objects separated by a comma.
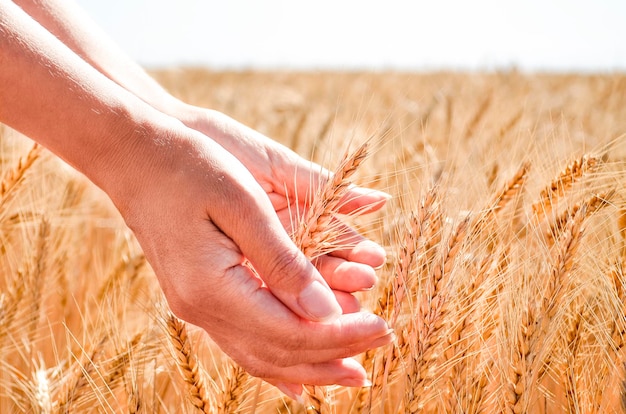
[{"x": 505, "y": 278}]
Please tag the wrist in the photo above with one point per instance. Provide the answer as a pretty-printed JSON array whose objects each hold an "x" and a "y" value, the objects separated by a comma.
[{"x": 130, "y": 149}]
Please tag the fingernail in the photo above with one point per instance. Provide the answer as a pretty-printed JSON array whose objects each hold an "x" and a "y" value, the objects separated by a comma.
[
  {"x": 356, "y": 382},
  {"x": 318, "y": 301},
  {"x": 384, "y": 340},
  {"x": 370, "y": 192},
  {"x": 289, "y": 393},
  {"x": 384, "y": 195}
]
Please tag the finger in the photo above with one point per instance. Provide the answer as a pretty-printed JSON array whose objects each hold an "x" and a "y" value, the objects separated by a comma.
[
  {"x": 348, "y": 303},
  {"x": 269, "y": 321},
  {"x": 361, "y": 200},
  {"x": 346, "y": 372},
  {"x": 354, "y": 247},
  {"x": 344, "y": 275},
  {"x": 278, "y": 365}
]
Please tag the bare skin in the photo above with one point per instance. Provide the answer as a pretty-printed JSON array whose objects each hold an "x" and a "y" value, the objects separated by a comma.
[{"x": 202, "y": 193}]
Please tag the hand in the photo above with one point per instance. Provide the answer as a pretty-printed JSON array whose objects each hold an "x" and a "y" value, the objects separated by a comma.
[
  {"x": 199, "y": 214},
  {"x": 288, "y": 179}
]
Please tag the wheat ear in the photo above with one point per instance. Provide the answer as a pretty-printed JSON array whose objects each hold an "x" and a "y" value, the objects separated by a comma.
[
  {"x": 314, "y": 234},
  {"x": 430, "y": 323},
  {"x": 593, "y": 204},
  {"x": 188, "y": 365},
  {"x": 419, "y": 235},
  {"x": 119, "y": 365},
  {"x": 511, "y": 189},
  {"x": 389, "y": 306},
  {"x": 557, "y": 187},
  {"x": 231, "y": 395},
  {"x": 536, "y": 318},
  {"x": 12, "y": 179}
]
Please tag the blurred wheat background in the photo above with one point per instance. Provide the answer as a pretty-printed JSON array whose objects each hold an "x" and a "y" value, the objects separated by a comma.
[{"x": 506, "y": 242}]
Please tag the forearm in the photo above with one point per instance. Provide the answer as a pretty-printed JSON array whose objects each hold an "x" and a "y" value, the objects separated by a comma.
[
  {"x": 51, "y": 95},
  {"x": 70, "y": 24}
]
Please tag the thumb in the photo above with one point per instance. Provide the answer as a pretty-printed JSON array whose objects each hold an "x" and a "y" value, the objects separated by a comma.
[
  {"x": 293, "y": 279},
  {"x": 289, "y": 275}
]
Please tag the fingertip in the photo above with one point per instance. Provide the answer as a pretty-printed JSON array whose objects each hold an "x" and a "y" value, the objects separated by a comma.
[
  {"x": 369, "y": 253},
  {"x": 356, "y": 376},
  {"x": 363, "y": 200}
]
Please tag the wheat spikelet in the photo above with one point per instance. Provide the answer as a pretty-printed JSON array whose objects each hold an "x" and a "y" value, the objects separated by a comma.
[
  {"x": 621, "y": 223},
  {"x": 411, "y": 254},
  {"x": 510, "y": 124},
  {"x": 618, "y": 324},
  {"x": 128, "y": 266},
  {"x": 480, "y": 113},
  {"x": 9, "y": 304},
  {"x": 617, "y": 332},
  {"x": 422, "y": 235},
  {"x": 574, "y": 339},
  {"x": 516, "y": 385},
  {"x": 564, "y": 260},
  {"x": 317, "y": 400},
  {"x": 133, "y": 399},
  {"x": 42, "y": 401},
  {"x": 36, "y": 276},
  {"x": 187, "y": 364}
]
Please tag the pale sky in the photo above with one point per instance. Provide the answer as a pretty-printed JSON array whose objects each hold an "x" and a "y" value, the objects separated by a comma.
[{"x": 536, "y": 35}]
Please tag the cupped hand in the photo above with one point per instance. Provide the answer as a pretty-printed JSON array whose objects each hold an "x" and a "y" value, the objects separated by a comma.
[
  {"x": 289, "y": 181},
  {"x": 226, "y": 264}
]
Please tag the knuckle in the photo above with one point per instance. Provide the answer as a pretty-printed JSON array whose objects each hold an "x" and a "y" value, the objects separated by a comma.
[
  {"x": 256, "y": 369},
  {"x": 287, "y": 268},
  {"x": 283, "y": 359},
  {"x": 295, "y": 341}
]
